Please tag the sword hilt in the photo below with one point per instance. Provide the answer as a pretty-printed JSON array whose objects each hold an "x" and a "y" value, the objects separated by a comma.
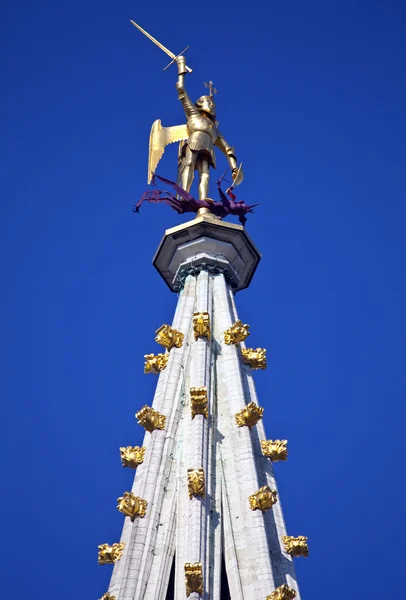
[{"x": 188, "y": 69}]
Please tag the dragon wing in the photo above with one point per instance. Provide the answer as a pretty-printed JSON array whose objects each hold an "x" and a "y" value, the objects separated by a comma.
[{"x": 159, "y": 138}]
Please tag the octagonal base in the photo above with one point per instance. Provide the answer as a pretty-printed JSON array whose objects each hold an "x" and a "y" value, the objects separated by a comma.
[{"x": 210, "y": 244}]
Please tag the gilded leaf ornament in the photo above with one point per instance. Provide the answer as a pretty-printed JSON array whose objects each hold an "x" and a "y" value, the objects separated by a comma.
[
  {"x": 283, "y": 592},
  {"x": 275, "y": 449},
  {"x": 132, "y": 506},
  {"x": 168, "y": 337},
  {"x": 132, "y": 456},
  {"x": 236, "y": 333},
  {"x": 194, "y": 578},
  {"x": 254, "y": 357},
  {"x": 150, "y": 419},
  {"x": 196, "y": 483},
  {"x": 296, "y": 546},
  {"x": 109, "y": 554},
  {"x": 249, "y": 416},
  {"x": 199, "y": 402},
  {"x": 263, "y": 499},
  {"x": 155, "y": 363},
  {"x": 201, "y": 324},
  {"x": 108, "y": 597}
]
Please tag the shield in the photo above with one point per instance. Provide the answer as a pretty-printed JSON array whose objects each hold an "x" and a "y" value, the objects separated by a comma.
[
  {"x": 238, "y": 177},
  {"x": 161, "y": 137}
]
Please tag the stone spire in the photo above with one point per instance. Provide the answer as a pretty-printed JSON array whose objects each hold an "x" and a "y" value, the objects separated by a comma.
[{"x": 204, "y": 518}]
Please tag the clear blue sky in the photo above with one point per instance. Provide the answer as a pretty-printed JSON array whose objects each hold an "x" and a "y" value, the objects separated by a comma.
[{"x": 313, "y": 96}]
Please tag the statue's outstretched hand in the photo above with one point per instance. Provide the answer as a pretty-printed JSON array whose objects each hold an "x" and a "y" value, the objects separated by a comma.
[{"x": 181, "y": 62}]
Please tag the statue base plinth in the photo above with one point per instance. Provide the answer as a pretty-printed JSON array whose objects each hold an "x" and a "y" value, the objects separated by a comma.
[{"x": 207, "y": 243}]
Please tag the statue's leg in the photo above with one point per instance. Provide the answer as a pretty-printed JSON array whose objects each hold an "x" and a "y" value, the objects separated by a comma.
[
  {"x": 203, "y": 166},
  {"x": 187, "y": 169}
]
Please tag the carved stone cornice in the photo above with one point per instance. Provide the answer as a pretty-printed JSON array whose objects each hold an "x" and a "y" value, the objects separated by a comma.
[
  {"x": 249, "y": 416},
  {"x": 199, "y": 402},
  {"x": 150, "y": 419},
  {"x": 194, "y": 578},
  {"x": 283, "y": 592},
  {"x": 254, "y": 357},
  {"x": 236, "y": 333},
  {"x": 155, "y": 363},
  {"x": 275, "y": 449},
  {"x": 296, "y": 546},
  {"x": 168, "y": 337},
  {"x": 109, "y": 554},
  {"x": 263, "y": 499},
  {"x": 201, "y": 325},
  {"x": 196, "y": 482},
  {"x": 132, "y": 506},
  {"x": 132, "y": 456}
]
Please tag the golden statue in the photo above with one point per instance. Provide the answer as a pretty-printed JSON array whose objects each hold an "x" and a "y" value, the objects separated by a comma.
[{"x": 197, "y": 137}]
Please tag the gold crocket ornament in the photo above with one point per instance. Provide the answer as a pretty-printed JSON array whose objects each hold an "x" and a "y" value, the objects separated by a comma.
[
  {"x": 132, "y": 506},
  {"x": 132, "y": 456},
  {"x": 296, "y": 546},
  {"x": 168, "y": 337},
  {"x": 194, "y": 578},
  {"x": 109, "y": 554},
  {"x": 283, "y": 592},
  {"x": 108, "y": 597}
]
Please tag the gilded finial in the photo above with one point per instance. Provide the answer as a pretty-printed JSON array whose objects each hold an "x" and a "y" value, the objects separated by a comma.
[
  {"x": 249, "y": 416},
  {"x": 168, "y": 337},
  {"x": 155, "y": 363},
  {"x": 275, "y": 449},
  {"x": 263, "y": 499},
  {"x": 296, "y": 546},
  {"x": 194, "y": 578},
  {"x": 283, "y": 592},
  {"x": 109, "y": 554},
  {"x": 199, "y": 402},
  {"x": 236, "y": 333},
  {"x": 132, "y": 506},
  {"x": 150, "y": 419},
  {"x": 201, "y": 324},
  {"x": 195, "y": 482},
  {"x": 254, "y": 357},
  {"x": 108, "y": 597}
]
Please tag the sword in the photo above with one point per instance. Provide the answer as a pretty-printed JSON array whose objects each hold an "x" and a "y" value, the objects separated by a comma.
[{"x": 168, "y": 52}]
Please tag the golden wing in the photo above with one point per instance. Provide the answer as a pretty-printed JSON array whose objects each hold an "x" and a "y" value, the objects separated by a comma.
[{"x": 159, "y": 138}]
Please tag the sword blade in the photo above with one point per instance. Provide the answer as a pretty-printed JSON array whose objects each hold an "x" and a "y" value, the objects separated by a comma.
[{"x": 168, "y": 52}]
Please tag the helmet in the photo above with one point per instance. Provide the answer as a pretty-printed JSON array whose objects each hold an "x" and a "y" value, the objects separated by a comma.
[{"x": 206, "y": 104}]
